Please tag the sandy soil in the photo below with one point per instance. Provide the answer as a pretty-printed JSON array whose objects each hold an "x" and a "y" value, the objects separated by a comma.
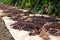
[{"x": 4, "y": 33}]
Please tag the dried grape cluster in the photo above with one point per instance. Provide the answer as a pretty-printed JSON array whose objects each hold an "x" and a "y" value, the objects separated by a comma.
[
  {"x": 13, "y": 11},
  {"x": 53, "y": 28},
  {"x": 35, "y": 23},
  {"x": 4, "y": 7}
]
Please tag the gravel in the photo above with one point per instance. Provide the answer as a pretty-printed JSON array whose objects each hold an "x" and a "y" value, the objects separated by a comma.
[{"x": 4, "y": 32}]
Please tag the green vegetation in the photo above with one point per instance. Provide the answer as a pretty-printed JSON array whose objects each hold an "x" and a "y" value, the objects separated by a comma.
[
  {"x": 41, "y": 6},
  {"x": 9, "y": 2}
]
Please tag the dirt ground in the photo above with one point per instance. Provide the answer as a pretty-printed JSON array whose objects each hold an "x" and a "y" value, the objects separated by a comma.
[{"x": 4, "y": 33}]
